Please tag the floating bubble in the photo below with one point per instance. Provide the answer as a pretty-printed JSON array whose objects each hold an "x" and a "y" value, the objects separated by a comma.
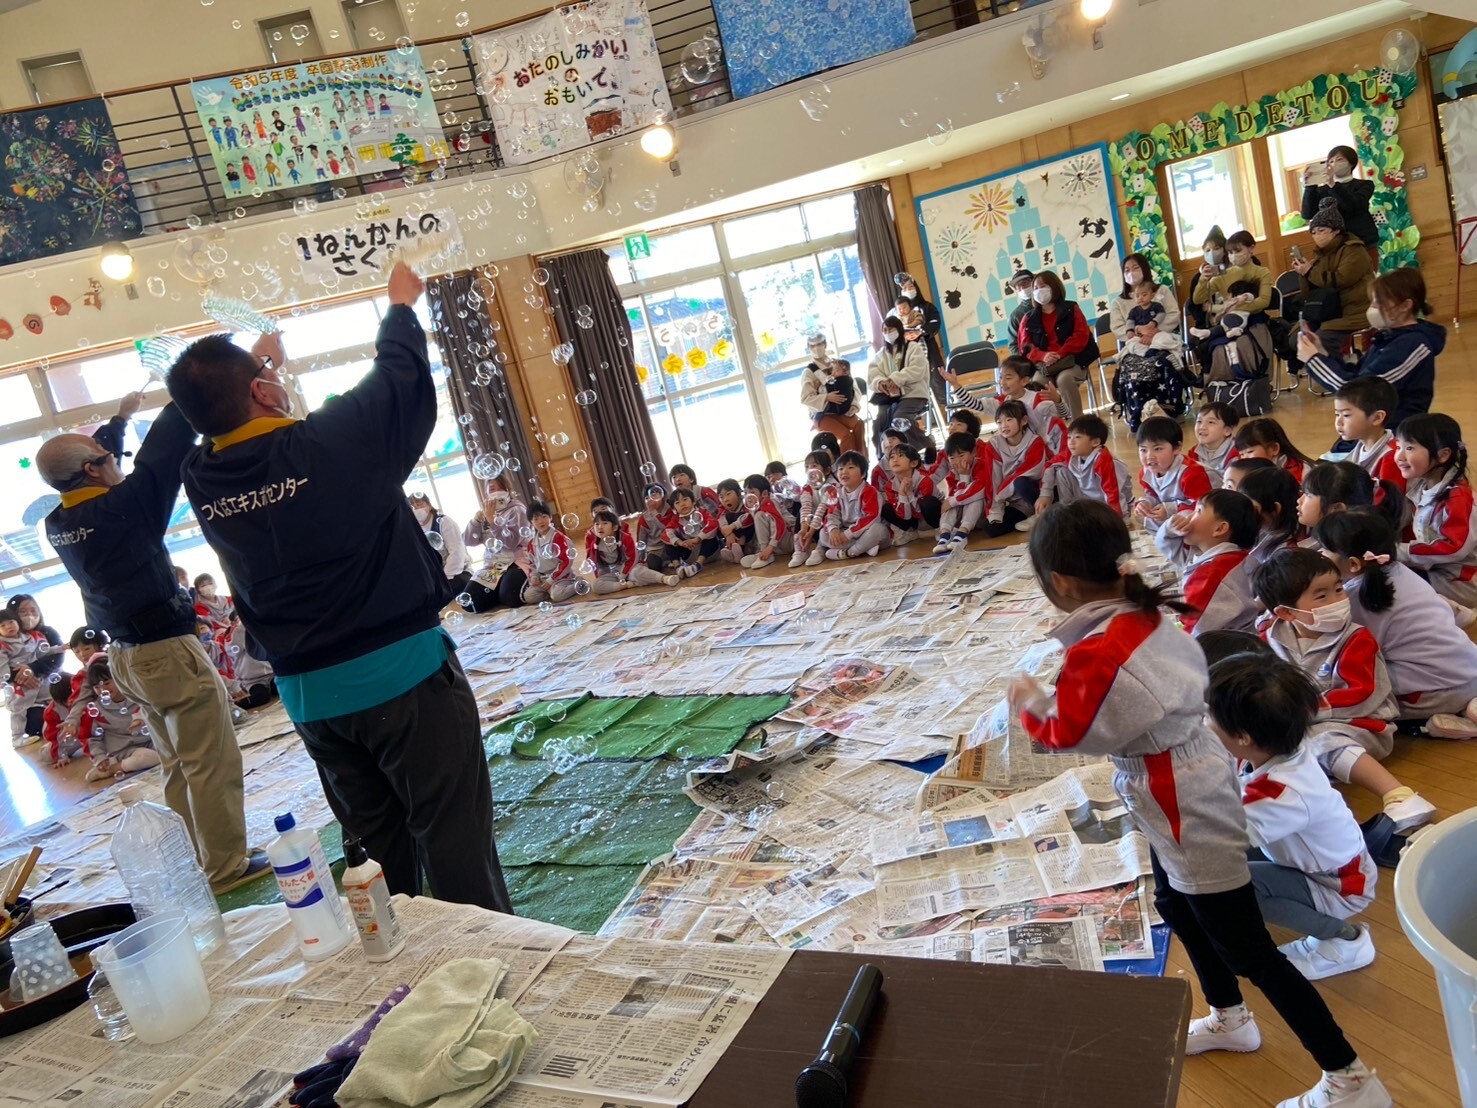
[
  {"x": 901, "y": 425},
  {"x": 464, "y": 599},
  {"x": 487, "y": 466},
  {"x": 585, "y": 322},
  {"x": 581, "y": 588},
  {"x": 569, "y": 521},
  {"x": 1009, "y": 92},
  {"x": 574, "y": 620},
  {"x": 436, "y": 541},
  {"x": 908, "y": 119},
  {"x": 465, "y": 419},
  {"x": 581, "y": 456},
  {"x": 405, "y": 44},
  {"x": 299, "y": 33},
  {"x": 540, "y": 276},
  {"x": 304, "y": 205},
  {"x": 775, "y": 791},
  {"x": 816, "y": 103},
  {"x": 545, "y": 606},
  {"x": 455, "y": 619},
  {"x": 941, "y": 132},
  {"x": 584, "y": 399},
  {"x": 156, "y": 286},
  {"x": 645, "y": 200},
  {"x": 563, "y": 352},
  {"x": 648, "y": 469},
  {"x": 463, "y": 20},
  {"x": 559, "y": 438},
  {"x": 524, "y": 731}
]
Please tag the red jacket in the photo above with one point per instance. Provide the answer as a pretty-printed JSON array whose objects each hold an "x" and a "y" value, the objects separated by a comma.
[
  {"x": 628, "y": 549},
  {"x": 908, "y": 508},
  {"x": 1075, "y": 343}
]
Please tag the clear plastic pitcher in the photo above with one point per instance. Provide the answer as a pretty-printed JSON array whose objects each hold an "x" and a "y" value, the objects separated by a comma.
[{"x": 155, "y": 970}]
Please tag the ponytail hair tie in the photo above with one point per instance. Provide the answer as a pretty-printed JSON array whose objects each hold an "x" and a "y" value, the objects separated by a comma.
[
  {"x": 1378, "y": 559},
  {"x": 1128, "y": 565}
]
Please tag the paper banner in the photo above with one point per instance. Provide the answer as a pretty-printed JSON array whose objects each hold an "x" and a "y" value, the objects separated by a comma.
[
  {"x": 767, "y": 44},
  {"x": 317, "y": 121},
  {"x": 1369, "y": 98},
  {"x": 62, "y": 185},
  {"x": 1057, "y": 214},
  {"x": 570, "y": 78},
  {"x": 363, "y": 247}
]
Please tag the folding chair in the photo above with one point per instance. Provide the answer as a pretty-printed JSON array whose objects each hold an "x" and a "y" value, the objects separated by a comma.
[
  {"x": 1279, "y": 367},
  {"x": 975, "y": 366},
  {"x": 1287, "y": 285},
  {"x": 1107, "y": 347}
]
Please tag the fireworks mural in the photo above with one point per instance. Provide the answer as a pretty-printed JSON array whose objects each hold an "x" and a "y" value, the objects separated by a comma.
[
  {"x": 62, "y": 185},
  {"x": 1057, "y": 214}
]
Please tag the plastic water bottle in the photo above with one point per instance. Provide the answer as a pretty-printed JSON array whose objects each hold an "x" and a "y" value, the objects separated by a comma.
[
  {"x": 156, "y": 860},
  {"x": 313, "y": 903}
]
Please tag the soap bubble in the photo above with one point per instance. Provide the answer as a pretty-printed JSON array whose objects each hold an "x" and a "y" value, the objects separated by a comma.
[
  {"x": 299, "y": 33},
  {"x": 1008, "y": 92},
  {"x": 541, "y": 276},
  {"x": 574, "y": 620},
  {"x": 901, "y": 425},
  {"x": 464, "y": 599},
  {"x": 156, "y": 286},
  {"x": 585, "y": 398},
  {"x": 487, "y": 466},
  {"x": 463, "y": 20},
  {"x": 696, "y": 65},
  {"x": 465, "y": 419},
  {"x": 569, "y": 521},
  {"x": 908, "y": 118},
  {"x": 559, "y": 438},
  {"x": 584, "y": 322},
  {"x": 645, "y": 200},
  {"x": 648, "y": 469},
  {"x": 941, "y": 132},
  {"x": 524, "y": 732},
  {"x": 815, "y": 103},
  {"x": 405, "y": 44},
  {"x": 563, "y": 352},
  {"x": 582, "y": 455},
  {"x": 775, "y": 791},
  {"x": 454, "y": 619},
  {"x": 436, "y": 541},
  {"x": 304, "y": 205},
  {"x": 545, "y": 606}
]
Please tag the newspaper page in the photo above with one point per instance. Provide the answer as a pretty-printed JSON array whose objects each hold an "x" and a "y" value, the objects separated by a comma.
[
  {"x": 1119, "y": 913},
  {"x": 648, "y": 1020},
  {"x": 1067, "y": 944}
]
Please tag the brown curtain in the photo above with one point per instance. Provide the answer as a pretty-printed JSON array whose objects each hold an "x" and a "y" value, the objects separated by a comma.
[
  {"x": 587, "y": 306},
  {"x": 878, "y": 251},
  {"x": 461, "y": 312}
]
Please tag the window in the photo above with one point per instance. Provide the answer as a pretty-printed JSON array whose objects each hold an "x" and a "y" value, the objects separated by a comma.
[
  {"x": 1293, "y": 151},
  {"x": 18, "y": 401},
  {"x": 291, "y": 38},
  {"x": 58, "y": 77},
  {"x": 98, "y": 380},
  {"x": 1211, "y": 190},
  {"x": 373, "y": 23},
  {"x": 678, "y": 252}
]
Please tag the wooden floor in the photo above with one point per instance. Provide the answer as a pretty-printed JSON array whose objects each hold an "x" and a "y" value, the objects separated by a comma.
[{"x": 1390, "y": 1010}]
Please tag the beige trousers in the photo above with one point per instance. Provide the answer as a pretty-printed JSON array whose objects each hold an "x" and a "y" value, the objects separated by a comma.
[{"x": 189, "y": 718}]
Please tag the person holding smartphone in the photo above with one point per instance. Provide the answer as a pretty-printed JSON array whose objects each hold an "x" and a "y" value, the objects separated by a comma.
[
  {"x": 1214, "y": 248},
  {"x": 1335, "y": 179}
]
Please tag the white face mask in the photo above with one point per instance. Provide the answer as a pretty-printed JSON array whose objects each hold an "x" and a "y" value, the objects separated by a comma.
[
  {"x": 1041, "y": 296},
  {"x": 1376, "y": 318},
  {"x": 1240, "y": 258},
  {"x": 1212, "y": 257},
  {"x": 1329, "y": 619},
  {"x": 1130, "y": 277},
  {"x": 1025, "y": 294},
  {"x": 891, "y": 336},
  {"x": 1341, "y": 169},
  {"x": 424, "y": 515},
  {"x": 207, "y": 591}
]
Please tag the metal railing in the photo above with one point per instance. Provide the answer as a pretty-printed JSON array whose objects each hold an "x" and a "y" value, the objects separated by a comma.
[{"x": 174, "y": 178}]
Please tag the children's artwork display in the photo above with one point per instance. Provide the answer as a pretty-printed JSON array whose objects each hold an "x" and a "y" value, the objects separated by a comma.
[
  {"x": 570, "y": 78},
  {"x": 1370, "y": 98},
  {"x": 62, "y": 185},
  {"x": 1053, "y": 215},
  {"x": 365, "y": 246},
  {"x": 767, "y": 44},
  {"x": 316, "y": 121}
]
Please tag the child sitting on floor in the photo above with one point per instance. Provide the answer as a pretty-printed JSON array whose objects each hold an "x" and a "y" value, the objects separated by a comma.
[
  {"x": 651, "y": 528},
  {"x": 1309, "y": 624},
  {"x": 1132, "y": 686},
  {"x": 61, "y": 748},
  {"x": 772, "y": 534},
  {"x": 1171, "y": 483},
  {"x": 1338, "y": 486},
  {"x": 1018, "y": 456},
  {"x": 113, "y": 728},
  {"x": 612, "y": 554},
  {"x": 684, "y": 477},
  {"x": 966, "y": 491},
  {"x": 692, "y": 539},
  {"x": 1263, "y": 437},
  {"x": 1360, "y": 409},
  {"x": 1210, "y": 544},
  {"x": 786, "y": 494},
  {"x": 855, "y": 528},
  {"x": 1275, "y": 494},
  {"x": 552, "y": 574},
  {"x": 735, "y": 525},
  {"x": 1315, "y": 871},
  {"x": 1215, "y": 440},
  {"x": 817, "y": 498},
  {"x": 911, "y": 503},
  {"x": 1432, "y": 458},
  {"x": 1088, "y": 471}
]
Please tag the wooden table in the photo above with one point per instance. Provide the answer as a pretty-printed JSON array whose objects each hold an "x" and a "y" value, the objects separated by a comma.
[{"x": 959, "y": 1033}]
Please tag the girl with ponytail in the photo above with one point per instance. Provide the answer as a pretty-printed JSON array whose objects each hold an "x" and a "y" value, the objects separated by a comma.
[
  {"x": 1432, "y": 458},
  {"x": 1338, "y": 486}
]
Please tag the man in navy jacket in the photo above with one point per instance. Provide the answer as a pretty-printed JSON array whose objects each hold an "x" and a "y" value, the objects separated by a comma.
[
  {"x": 109, "y": 533},
  {"x": 340, "y": 593}
]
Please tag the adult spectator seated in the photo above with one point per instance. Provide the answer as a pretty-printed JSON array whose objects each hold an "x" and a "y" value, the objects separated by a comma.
[
  {"x": 1335, "y": 282},
  {"x": 1244, "y": 286},
  {"x": 447, "y": 543},
  {"x": 1055, "y": 336},
  {"x": 1136, "y": 271},
  {"x": 501, "y": 528},
  {"x": 1403, "y": 351},
  {"x": 899, "y": 374},
  {"x": 1214, "y": 251},
  {"x": 816, "y": 394},
  {"x": 109, "y": 533},
  {"x": 930, "y": 323},
  {"x": 1023, "y": 281},
  {"x": 340, "y": 592},
  {"x": 1335, "y": 180}
]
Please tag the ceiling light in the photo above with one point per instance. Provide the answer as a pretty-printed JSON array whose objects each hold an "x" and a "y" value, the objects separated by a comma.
[
  {"x": 1096, "y": 9},
  {"x": 660, "y": 142},
  {"x": 117, "y": 261},
  {"x": 1121, "y": 96},
  {"x": 894, "y": 163}
]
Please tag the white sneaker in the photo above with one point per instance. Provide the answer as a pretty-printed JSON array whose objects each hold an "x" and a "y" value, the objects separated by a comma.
[
  {"x": 1445, "y": 726},
  {"x": 1214, "y": 1033},
  {"x": 797, "y": 559},
  {"x": 1199, "y": 332},
  {"x": 24, "y": 740},
  {"x": 943, "y": 546},
  {"x": 959, "y": 541},
  {"x": 873, "y": 552},
  {"x": 835, "y": 554},
  {"x": 1026, "y": 524},
  {"x": 671, "y": 579},
  {"x": 901, "y": 537},
  {"x": 1408, "y": 814},
  {"x": 690, "y": 569},
  {"x": 1316, "y": 959},
  {"x": 817, "y": 556},
  {"x": 728, "y": 555},
  {"x": 753, "y": 561},
  {"x": 1344, "y": 1090}
]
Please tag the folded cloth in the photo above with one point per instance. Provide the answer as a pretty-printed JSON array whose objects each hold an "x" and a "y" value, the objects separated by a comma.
[{"x": 451, "y": 1043}]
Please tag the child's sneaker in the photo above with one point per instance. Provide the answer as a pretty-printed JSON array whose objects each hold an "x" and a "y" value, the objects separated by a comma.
[
  {"x": 1229, "y": 1029},
  {"x": 817, "y": 556},
  {"x": 836, "y": 554},
  {"x": 946, "y": 539},
  {"x": 101, "y": 770},
  {"x": 1356, "y": 1087},
  {"x": 691, "y": 569},
  {"x": 1444, "y": 726},
  {"x": 671, "y": 579},
  {"x": 1025, "y": 525},
  {"x": 901, "y": 537},
  {"x": 1316, "y": 959},
  {"x": 797, "y": 559},
  {"x": 873, "y": 552},
  {"x": 958, "y": 542},
  {"x": 1200, "y": 332},
  {"x": 728, "y": 555},
  {"x": 753, "y": 561},
  {"x": 1410, "y": 812}
]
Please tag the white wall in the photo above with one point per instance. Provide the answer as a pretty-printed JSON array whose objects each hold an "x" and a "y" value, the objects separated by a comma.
[{"x": 736, "y": 156}]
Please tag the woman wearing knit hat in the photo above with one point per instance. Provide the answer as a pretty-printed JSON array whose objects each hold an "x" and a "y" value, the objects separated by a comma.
[{"x": 1336, "y": 280}]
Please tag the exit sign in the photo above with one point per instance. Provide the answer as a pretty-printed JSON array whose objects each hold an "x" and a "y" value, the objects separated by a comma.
[{"x": 638, "y": 246}]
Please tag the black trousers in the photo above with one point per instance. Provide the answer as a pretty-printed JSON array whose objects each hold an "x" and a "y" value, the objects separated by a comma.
[
  {"x": 707, "y": 548},
  {"x": 263, "y": 692},
  {"x": 409, "y": 779},
  {"x": 460, "y": 581},
  {"x": 1225, "y": 938},
  {"x": 930, "y": 507},
  {"x": 508, "y": 593}
]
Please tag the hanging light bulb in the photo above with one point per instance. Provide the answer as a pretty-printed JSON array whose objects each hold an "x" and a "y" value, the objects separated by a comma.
[
  {"x": 1096, "y": 10},
  {"x": 117, "y": 261},
  {"x": 660, "y": 142}
]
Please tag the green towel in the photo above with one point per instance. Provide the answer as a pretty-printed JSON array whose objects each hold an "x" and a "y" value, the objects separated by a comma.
[{"x": 450, "y": 1043}]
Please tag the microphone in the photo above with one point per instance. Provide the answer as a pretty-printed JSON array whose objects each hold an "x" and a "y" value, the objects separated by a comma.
[{"x": 822, "y": 1084}]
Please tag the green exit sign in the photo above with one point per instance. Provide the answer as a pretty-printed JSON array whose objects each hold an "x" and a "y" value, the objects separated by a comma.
[{"x": 638, "y": 246}]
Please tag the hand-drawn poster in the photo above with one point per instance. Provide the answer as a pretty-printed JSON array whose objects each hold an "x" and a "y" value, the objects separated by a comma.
[
  {"x": 1057, "y": 214},
  {"x": 365, "y": 246},
  {"x": 308, "y": 122},
  {"x": 765, "y": 44},
  {"x": 62, "y": 185},
  {"x": 570, "y": 78}
]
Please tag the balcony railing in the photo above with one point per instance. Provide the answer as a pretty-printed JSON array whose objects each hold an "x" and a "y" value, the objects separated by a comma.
[{"x": 174, "y": 178}]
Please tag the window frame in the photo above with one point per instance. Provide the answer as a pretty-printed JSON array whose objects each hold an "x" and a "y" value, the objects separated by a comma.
[{"x": 46, "y": 61}]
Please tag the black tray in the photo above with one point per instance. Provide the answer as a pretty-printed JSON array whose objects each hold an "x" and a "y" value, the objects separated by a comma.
[{"x": 80, "y": 932}]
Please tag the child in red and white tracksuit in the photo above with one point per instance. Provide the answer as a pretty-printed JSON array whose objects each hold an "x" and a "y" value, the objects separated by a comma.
[
  {"x": 817, "y": 498},
  {"x": 1209, "y": 546},
  {"x": 967, "y": 490},
  {"x": 649, "y": 529},
  {"x": 692, "y": 537},
  {"x": 1018, "y": 459},
  {"x": 772, "y": 534},
  {"x": 1086, "y": 470},
  {"x": 1432, "y": 458},
  {"x": 1132, "y": 686},
  {"x": 551, "y": 574},
  {"x": 854, "y": 528},
  {"x": 611, "y": 550},
  {"x": 910, "y": 502}
]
